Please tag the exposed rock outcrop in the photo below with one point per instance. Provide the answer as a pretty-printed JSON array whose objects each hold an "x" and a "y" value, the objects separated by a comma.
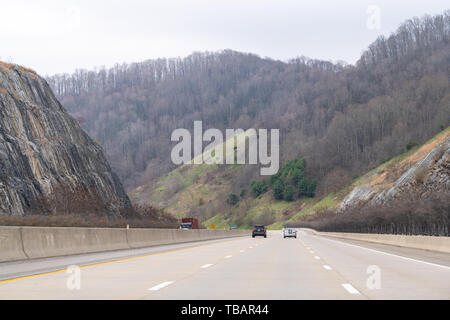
[
  {"x": 48, "y": 164},
  {"x": 430, "y": 174}
]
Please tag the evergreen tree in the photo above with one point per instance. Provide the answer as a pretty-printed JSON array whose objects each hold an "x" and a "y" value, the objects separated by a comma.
[
  {"x": 232, "y": 199},
  {"x": 278, "y": 190},
  {"x": 303, "y": 186},
  {"x": 289, "y": 193}
]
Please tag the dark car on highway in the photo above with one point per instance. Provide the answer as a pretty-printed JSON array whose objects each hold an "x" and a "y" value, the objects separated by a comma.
[{"x": 259, "y": 230}]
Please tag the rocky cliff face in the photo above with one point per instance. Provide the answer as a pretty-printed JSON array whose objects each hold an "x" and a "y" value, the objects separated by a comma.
[
  {"x": 430, "y": 174},
  {"x": 48, "y": 164}
]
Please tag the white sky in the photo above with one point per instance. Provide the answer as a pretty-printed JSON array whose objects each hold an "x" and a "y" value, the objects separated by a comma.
[{"x": 59, "y": 36}]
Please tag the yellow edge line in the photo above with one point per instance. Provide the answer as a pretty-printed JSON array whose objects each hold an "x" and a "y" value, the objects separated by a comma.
[{"x": 113, "y": 261}]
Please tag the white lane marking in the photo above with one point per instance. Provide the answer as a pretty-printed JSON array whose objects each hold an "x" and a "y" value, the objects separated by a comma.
[
  {"x": 327, "y": 267},
  {"x": 242, "y": 251},
  {"x": 227, "y": 257},
  {"x": 350, "y": 288},
  {"x": 390, "y": 254},
  {"x": 161, "y": 285},
  {"x": 317, "y": 257},
  {"x": 250, "y": 247},
  {"x": 206, "y": 265}
]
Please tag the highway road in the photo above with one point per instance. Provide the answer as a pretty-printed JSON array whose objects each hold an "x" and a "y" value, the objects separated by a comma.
[{"x": 309, "y": 267}]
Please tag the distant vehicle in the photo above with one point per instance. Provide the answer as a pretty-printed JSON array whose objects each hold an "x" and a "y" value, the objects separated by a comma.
[
  {"x": 259, "y": 230},
  {"x": 289, "y": 232},
  {"x": 189, "y": 223},
  {"x": 233, "y": 227}
]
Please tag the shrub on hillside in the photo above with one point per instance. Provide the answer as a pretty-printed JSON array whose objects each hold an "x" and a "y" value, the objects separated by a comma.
[
  {"x": 411, "y": 145},
  {"x": 289, "y": 192},
  {"x": 232, "y": 199},
  {"x": 278, "y": 190},
  {"x": 258, "y": 188},
  {"x": 420, "y": 175}
]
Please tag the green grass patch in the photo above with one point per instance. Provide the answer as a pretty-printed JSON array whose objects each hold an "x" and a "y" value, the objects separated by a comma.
[
  {"x": 218, "y": 220},
  {"x": 327, "y": 202}
]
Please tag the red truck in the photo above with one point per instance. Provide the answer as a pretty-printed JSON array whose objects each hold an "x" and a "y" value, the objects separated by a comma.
[{"x": 189, "y": 223}]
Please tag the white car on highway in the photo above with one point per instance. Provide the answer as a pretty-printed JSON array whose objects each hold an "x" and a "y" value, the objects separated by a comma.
[{"x": 289, "y": 232}]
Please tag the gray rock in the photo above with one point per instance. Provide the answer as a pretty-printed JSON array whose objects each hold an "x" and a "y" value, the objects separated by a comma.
[
  {"x": 47, "y": 162},
  {"x": 436, "y": 165}
]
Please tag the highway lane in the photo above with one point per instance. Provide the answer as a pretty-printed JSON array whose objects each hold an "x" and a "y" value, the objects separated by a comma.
[
  {"x": 309, "y": 267},
  {"x": 404, "y": 273},
  {"x": 17, "y": 269}
]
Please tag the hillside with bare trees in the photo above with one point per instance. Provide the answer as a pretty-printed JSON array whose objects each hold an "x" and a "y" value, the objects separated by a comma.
[
  {"x": 408, "y": 195},
  {"x": 342, "y": 119}
]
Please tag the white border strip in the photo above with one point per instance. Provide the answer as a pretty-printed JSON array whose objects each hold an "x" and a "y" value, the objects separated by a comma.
[
  {"x": 161, "y": 285},
  {"x": 351, "y": 289}
]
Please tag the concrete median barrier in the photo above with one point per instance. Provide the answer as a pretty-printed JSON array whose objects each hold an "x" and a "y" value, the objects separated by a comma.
[
  {"x": 11, "y": 244},
  {"x": 139, "y": 238},
  {"x": 39, "y": 242},
  {"x": 432, "y": 243},
  {"x": 18, "y": 243}
]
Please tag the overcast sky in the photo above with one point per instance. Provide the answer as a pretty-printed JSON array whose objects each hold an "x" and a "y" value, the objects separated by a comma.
[{"x": 60, "y": 36}]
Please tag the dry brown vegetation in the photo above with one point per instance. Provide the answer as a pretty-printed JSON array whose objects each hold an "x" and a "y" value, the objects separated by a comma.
[
  {"x": 420, "y": 175},
  {"x": 439, "y": 153},
  {"x": 335, "y": 181},
  {"x": 29, "y": 70},
  {"x": 66, "y": 200},
  {"x": 6, "y": 66},
  {"x": 143, "y": 217},
  {"x": 77, "y": 207}
]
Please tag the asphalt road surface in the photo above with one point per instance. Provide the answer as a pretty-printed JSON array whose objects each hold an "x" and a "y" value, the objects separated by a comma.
[{"x": 309, "y": 267}]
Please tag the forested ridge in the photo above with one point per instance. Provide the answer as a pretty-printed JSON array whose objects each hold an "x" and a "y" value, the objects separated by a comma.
[{"x": 342, "y": 119}]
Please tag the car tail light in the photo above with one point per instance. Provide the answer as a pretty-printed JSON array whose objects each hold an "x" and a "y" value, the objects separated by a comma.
[
  {"x": 253, "y": 230},
  {"x": 264, "y": 229}
]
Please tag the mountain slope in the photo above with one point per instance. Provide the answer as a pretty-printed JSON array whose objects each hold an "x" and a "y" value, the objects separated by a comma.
[
  {"x": 48, "y": 164},
  {"x": 338, "y": 117},
  {"x": 202, "y": 190},
  {"x": 410, "y": 194},
  {"x": 422, "y": 173},
  {"x": 342, "y": 119}
]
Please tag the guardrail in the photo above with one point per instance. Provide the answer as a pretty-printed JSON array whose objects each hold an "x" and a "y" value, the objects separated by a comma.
[
  {"x": 432, "y": 243},
  {"x": 19, "y": 243}
]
